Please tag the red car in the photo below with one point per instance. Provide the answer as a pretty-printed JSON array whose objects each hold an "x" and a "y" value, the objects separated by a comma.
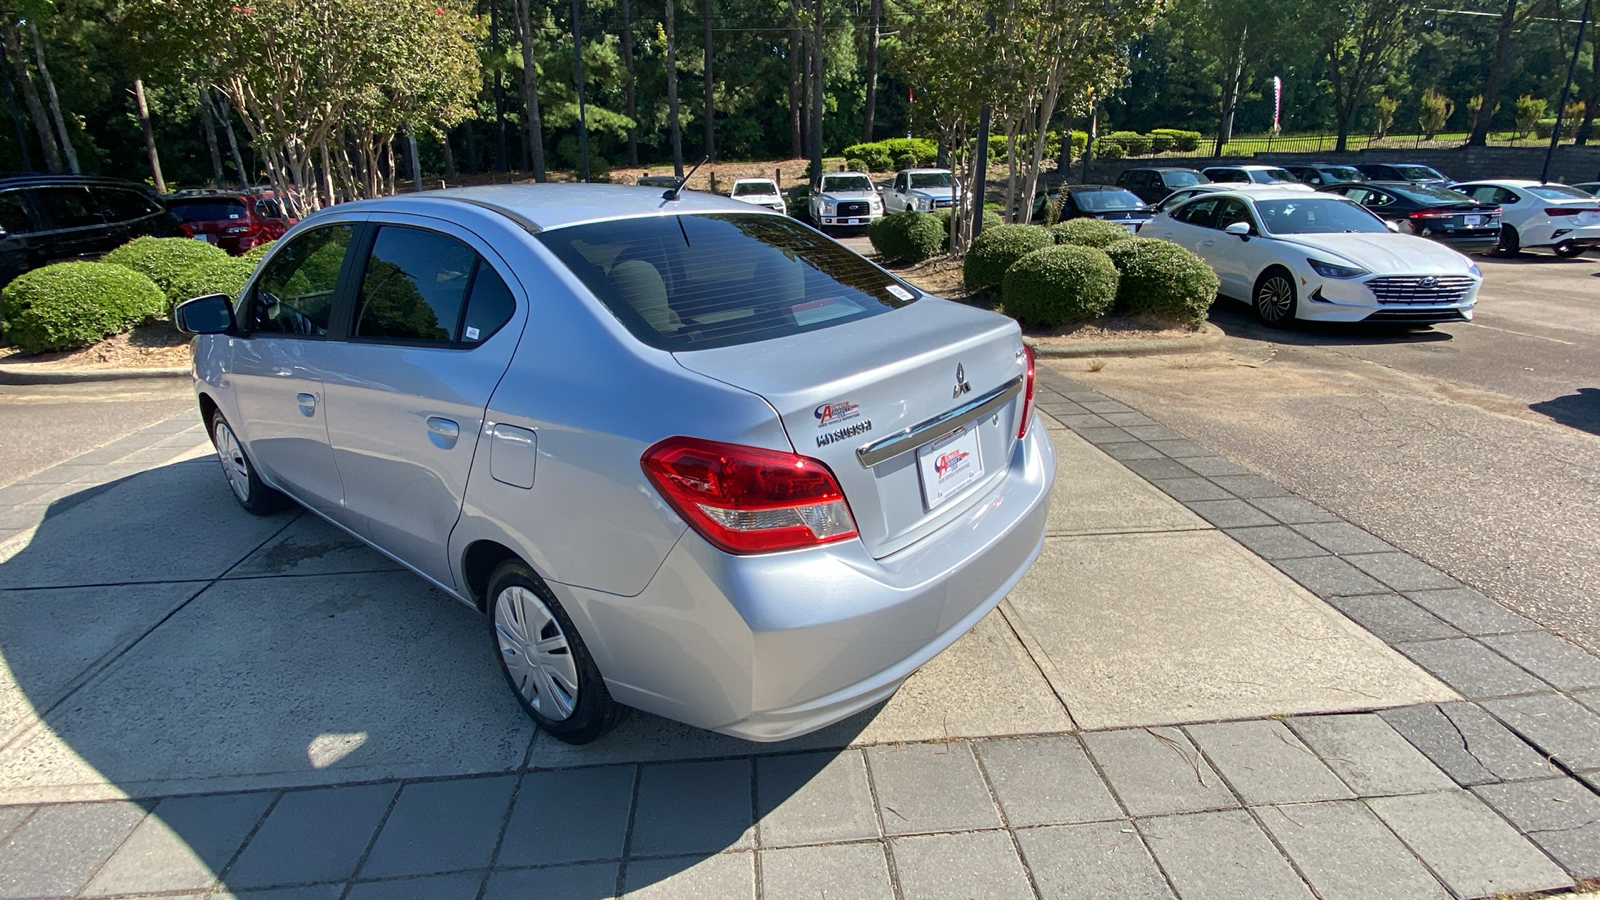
[{"x": 233, "y": 220}]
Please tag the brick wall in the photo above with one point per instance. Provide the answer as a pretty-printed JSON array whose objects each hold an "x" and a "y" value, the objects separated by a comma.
[{"x": 1571, "y": 164}]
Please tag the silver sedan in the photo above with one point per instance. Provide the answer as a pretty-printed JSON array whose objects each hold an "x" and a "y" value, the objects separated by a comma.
[{"x": 686, "y": 455}]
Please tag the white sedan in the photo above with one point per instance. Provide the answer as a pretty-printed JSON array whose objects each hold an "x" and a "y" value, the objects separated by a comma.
[
  {"x": 759, "y": 192},
  {"x": 1565, "y": 219},
  {"x": 1319, "y": 257}
]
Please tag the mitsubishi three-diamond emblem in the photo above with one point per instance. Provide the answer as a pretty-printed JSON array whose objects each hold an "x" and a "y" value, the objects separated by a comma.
[{"x": 961, "y": 382}]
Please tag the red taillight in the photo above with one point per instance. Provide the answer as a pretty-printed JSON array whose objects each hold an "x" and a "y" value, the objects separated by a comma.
[
  {"x": 1569, "y": 210},
  {"x": 749, "y": 500},
  {"x": 1027, "y": 395},
  {"x": 1434, "y": 214}
]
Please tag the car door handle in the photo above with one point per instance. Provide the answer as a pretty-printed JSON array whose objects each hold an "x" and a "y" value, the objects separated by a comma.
[
  {"x": 443, "y": 432},
  {"x": 1208, "y": 243},
  {"x": 308, "y": 404}
]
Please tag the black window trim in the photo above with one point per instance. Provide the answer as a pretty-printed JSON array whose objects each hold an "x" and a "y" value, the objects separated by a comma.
[{"x": 364, "y": 241}]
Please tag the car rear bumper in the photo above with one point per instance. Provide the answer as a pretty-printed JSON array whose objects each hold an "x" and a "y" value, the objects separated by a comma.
[
  {"x": 773, "y": 646},
  {"x": 1587, "y": 236}
]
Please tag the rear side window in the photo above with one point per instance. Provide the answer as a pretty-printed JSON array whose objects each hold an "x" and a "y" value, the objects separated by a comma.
[
  {"x": 422, "y": 286},
  {"x": 123, "y": 205},
  {"x": 69, "y": 207},
  {"x": 294, "y": 295},
  {"x": 14, "y": 215},
  {"x": 694, "y": 282}
]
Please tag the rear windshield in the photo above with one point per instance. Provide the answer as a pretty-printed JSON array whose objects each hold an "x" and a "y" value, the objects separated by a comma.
[
  {"x": 931, "y": 179},
  {"x": 205, "y": 210},
  {"x": 1177, "y": 180},
  {"x": 1272, "y": 176},
  {"x": 749, "y": 188},
  {"x": 1419, "y": 173},
  {"x": 1429, "y": 194},
  {"x": 1105, "y": 201},
  {"x": 694, "y": 282},
  {"x": 1341, "y": 174},
  {"x": 1558, "y": 192}
]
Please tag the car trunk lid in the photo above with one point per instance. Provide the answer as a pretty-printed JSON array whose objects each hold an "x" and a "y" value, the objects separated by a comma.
[{"x": 953, "y": 370}]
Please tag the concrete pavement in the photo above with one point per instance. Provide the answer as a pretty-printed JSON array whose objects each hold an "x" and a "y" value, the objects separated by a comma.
[{"x": 1177, "y": 701}]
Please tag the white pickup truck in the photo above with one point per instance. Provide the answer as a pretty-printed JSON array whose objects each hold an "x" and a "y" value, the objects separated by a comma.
[{"x": 921, "y": 190}]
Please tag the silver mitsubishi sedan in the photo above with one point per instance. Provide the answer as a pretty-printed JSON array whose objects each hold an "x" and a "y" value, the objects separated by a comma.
[{"x": 687, "y": 455}]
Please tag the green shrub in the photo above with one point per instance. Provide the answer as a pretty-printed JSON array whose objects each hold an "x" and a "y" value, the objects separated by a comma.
[
  {"x": 1133, "y": 143},
  {"x": 1057, "y": 285},
  {"x": 1088, "y": 232},
  {"x": 991, "y": 219},
  {"x": 857, "y": 165},
  {"x": 1182, "y": 141},
  {"x": 1162, "y": 279},
  {"x": 905, "y": 161},
  {"x": 996, "y": 249},
  {"x": 218, "y": 276},
  {"x": 164, "y": 260},
  {"x": 884, "y": 155},
  {"x": 74, "y": 304},
  {"x": 1105, "y": 148},
  {"x": 907, "y": 236},
  {"x": 259, "y": 252}
]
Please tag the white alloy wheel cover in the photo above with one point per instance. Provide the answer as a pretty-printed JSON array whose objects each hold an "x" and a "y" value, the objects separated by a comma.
[
  {"x": 535, "y": 652},
  {"x": 234, "y": 465}
]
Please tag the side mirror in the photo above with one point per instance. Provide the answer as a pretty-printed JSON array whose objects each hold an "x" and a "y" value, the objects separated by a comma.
[
  {"x": 1393, "y": 226},
  {"x": 1242, "y": 229},
  {"x": 211, "y": 314}
]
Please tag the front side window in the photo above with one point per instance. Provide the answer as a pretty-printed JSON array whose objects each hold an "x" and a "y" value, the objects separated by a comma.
[
  {"x": 294, "y": 295},
  {"x": 1231, "y": 211},
  {"x": 14, "y": 215},
  {"x": 1317, "y": 215},
  {"x": 69, "y": 207},
  {"x": 695, "y": 282}
]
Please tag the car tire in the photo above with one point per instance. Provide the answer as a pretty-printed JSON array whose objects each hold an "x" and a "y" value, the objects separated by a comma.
[
  {"x": 1274, "y": 299},
  {"x": 1510, "y": 241},
  {"x": 1567, "y": 249},
  {"x": 544, "y": 659},
  {"x": 247, "y": 487}
]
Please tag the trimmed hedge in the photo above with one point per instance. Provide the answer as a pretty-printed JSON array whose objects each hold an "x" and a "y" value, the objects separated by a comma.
[
  {"x": 74, "y": 304},
  {"x": 1133, "y": 143},
  {"x": 1105, "y": 148},
  {"x": 1057, "y": 285},
  {"x": 1162, "y": 279},
  {"x": 217, "y": 276},
  {"x": 1182, "y": 141},
  {"x": 1087, "y": 232},
  {"x": 991, "y": 219},
  {"x": 996, "y": 249},
  {"x": 907, "y": 236},
  {"x": 164, "y": 260},
  {"x": 258, "y": 252},
  {"x": 888, "y": 154}
]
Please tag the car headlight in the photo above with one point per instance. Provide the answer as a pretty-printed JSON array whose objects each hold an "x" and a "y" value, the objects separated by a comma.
[
  {"x": 1473, "y": 268},
  {"x": 924, "y": 203},
  {"x": 829, "y": 207},
  {"x": 1330, "y": 270}
]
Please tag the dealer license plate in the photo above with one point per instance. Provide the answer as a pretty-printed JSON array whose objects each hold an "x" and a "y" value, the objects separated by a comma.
[
  {"x": 948, "y": 465},
  {"x": 1473, "y": 220},
  {"x": 855, "y": 221},
  {"x": 210, "y": 239}
]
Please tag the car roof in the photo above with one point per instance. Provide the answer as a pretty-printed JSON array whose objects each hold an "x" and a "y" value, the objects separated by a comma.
[
  {"x": 34, "y": 180},
  {"x": 836, "y": 174},
  {"x": 1502, "y": 182},
  {"x": 1161, "y": 169},
  {"x": 751, "y": 180},
  {"x": 1266, "y": 193},
  {"x": 541, "y": 207},
  {"x": 925, "y": 171},
  {"x": 1245, "y": 166}
]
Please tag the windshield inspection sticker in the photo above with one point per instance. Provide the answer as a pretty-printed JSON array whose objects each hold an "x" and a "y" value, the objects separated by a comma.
[{"x": 899, "y": 291}]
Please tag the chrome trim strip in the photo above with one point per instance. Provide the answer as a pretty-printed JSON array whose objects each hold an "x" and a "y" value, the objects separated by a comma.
[{"x": 910, "y": 438}]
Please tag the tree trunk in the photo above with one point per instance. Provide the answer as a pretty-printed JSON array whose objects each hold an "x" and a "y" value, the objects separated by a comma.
[
  {"x": 1491, "y": 84},
  {"x": 327, "y": 172},
  {"x": 628, "y": 84},
  {"x": 796, "y": 88},
  {"x": 233, "y": 143},
  {"x": 674, "y": 125},
  {"x": 706, "y": 10},
  {"x": 30, "y": 95},
  {"x": 449, "y": 156},
  {"x": 875, "y": 21},
  {"x": 530, "y": 91},
  {"x": 209, "y": 120},
  {"x": 55, "y": 102},
  {"x": 472, "y": 148},
  {"x": 820, "y": 61},
  {"x": 149, "y": 136}
]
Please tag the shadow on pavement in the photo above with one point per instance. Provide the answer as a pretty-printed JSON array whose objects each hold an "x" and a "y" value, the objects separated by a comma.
[
  {"x": 1236, "y": 320},
  {"x": 1580, "y": 410},
  {"x": 290, "y": 707}
]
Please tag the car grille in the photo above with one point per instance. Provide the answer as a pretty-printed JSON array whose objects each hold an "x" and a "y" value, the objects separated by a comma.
[
  {"x": 943, "y": 204},
  {"x": 1418, "y": 289},
  {"x": 1417, "y": 316},
  {"x": 854, "y": 208}
]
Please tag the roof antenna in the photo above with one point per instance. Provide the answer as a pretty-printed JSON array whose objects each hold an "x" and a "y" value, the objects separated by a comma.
[{"x": 672, "y": 193}]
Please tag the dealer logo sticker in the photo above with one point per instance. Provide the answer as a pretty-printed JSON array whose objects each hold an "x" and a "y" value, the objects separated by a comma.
[{"x": 833, "y": 413}]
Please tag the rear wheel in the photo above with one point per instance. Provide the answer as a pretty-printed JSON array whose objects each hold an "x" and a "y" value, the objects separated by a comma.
[
  {"x": 544, "y": 660},
  {"x": 1510, "y": 241},
  {"x": 1567, "y": 249},
  {"x": 1274, "y": 298},
  {"x": 248, "y": 488}
]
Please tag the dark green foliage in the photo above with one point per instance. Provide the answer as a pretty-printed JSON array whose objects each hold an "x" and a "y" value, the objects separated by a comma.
[
  {"x": 894, "y": 153},
  {"x": 1106, "y": 148},
  {"x": 218, "y": 276},
  {"x": 1087, "y": 232},
  {"x": 1133, "y": 143},
  {"x": 1182, "y": 141},
  {"x": 1160, "y": 143},
  {"x": 1057, "y": 285},
  {"x": 74, "y": 304},
  {"x": 1162, "y": 279},
  {"x": 907, "y": 236},
  {"x": 991, "y": 219},
  {"x": 905, "y": 161},
  {"x": 164, "y": 260},
  {"x": 259, "y": 252},
  {"x": 993, "y": 251},
  {"x": 857, "y": 165}
]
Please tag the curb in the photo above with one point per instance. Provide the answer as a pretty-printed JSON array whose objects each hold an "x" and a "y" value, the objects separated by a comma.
[
  {"x": 1208, "y": 336},
  {"x": 19, "y": 375}
]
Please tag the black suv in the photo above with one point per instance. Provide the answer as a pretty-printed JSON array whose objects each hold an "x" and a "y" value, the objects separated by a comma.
[
  {"x": 56, "y": 218},
  {"x": 1320, "y": 175},
  {"x": 1152, "y": 185},
  {"x": 1416, "y": 173}
]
